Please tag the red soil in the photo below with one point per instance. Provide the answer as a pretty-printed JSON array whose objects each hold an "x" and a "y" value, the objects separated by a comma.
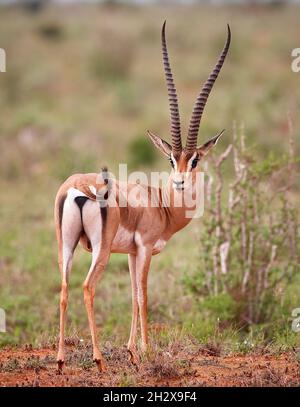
[{"x": 37, "y": 367}]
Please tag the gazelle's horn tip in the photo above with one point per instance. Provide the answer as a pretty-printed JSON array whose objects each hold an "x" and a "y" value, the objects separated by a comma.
[{"x": 229, "y": 31}]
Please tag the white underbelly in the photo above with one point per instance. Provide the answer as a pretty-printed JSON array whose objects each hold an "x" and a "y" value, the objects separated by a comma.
[{"x": 123, "y": 241}]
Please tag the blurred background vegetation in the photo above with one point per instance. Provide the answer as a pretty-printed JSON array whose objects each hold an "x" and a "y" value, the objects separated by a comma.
[{"x": 83, "y": 83}]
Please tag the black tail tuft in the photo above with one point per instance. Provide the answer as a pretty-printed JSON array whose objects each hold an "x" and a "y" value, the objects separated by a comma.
[{"x": 105, "y": 174}]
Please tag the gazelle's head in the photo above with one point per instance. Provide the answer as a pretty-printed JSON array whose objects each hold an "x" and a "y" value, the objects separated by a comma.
[{"x": 184, "y": 160}]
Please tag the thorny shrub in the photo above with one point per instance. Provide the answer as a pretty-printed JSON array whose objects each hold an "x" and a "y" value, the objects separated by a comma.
[{"x": 249, "y": 234}]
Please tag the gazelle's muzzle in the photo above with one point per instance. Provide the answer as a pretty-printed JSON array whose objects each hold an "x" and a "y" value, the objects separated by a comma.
[{"x": 178, "y": 185}]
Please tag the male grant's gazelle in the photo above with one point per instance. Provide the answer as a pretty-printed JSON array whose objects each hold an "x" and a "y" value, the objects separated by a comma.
[{"x": 87, "y": 209}]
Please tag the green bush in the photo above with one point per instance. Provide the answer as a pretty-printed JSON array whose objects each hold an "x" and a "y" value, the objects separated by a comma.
[{"x": 249, "y": 236}]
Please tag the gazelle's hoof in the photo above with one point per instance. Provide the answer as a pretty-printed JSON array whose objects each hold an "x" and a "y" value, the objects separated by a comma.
[
  {"x": 134, "y": 357},
  {"x": 60, "y": 365},
  {"x": 100, "y": 365}
]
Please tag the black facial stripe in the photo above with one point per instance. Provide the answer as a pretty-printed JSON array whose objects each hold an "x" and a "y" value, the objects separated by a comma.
[
  {"x": 171, "y": 161},
  {"x": 195, "y": 162}
]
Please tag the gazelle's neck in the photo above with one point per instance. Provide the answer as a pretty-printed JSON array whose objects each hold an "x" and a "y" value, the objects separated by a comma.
[{"x": 179, "y": 206}]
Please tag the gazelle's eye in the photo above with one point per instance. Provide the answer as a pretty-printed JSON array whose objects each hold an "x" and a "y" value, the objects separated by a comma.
[{"x": 195, "y": 162}]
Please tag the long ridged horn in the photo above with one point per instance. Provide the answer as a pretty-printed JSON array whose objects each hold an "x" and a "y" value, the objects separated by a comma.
[
  {"x": 172, "y": 94},
  {"x": 201, "y": 100}
]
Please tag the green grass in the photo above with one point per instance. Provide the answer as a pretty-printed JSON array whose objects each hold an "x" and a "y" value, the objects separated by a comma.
[{"x": 81, "y": 87}]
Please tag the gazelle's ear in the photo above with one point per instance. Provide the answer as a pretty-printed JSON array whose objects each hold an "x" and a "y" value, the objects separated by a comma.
[
  {"x": 161, "y": 144},
  {"x": 204, "y": 149}
]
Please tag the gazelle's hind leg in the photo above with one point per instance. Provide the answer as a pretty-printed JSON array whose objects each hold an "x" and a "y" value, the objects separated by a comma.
[
  {"x": 100, "y": 259},
  {"x": 100, "y": 226},
  {"x": 69, "y": 228}
]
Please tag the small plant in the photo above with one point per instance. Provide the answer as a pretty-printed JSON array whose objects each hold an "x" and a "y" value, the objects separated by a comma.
[
  {"x": 85, "y": 363},
  {"x": 35, "y": 362},
  {"x": 12, "y": 365},
  {"x": 163, "y": 368},
  {"x": 81, "y": 357},
  {"x": 249, "y": 238}
]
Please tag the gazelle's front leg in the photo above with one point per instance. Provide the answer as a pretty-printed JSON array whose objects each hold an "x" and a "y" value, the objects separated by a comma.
[
  {"x": 131, "y": 346},
  {"x": 143, "y": 259}
]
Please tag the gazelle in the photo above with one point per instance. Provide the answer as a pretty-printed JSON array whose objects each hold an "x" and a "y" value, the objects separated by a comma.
[{"x": 87, "y": 209}]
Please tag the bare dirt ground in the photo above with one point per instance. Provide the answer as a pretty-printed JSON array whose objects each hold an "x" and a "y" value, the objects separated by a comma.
[{"x": 204, "y": 367}]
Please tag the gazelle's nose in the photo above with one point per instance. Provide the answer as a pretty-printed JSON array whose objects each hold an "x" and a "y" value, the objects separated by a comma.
[{"x": 178, "y": 184}]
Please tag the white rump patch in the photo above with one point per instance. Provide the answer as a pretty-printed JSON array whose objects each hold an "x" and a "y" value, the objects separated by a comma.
[
  {"x": 71, "y": 227},
  {"x": 74, "y": 193}
]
